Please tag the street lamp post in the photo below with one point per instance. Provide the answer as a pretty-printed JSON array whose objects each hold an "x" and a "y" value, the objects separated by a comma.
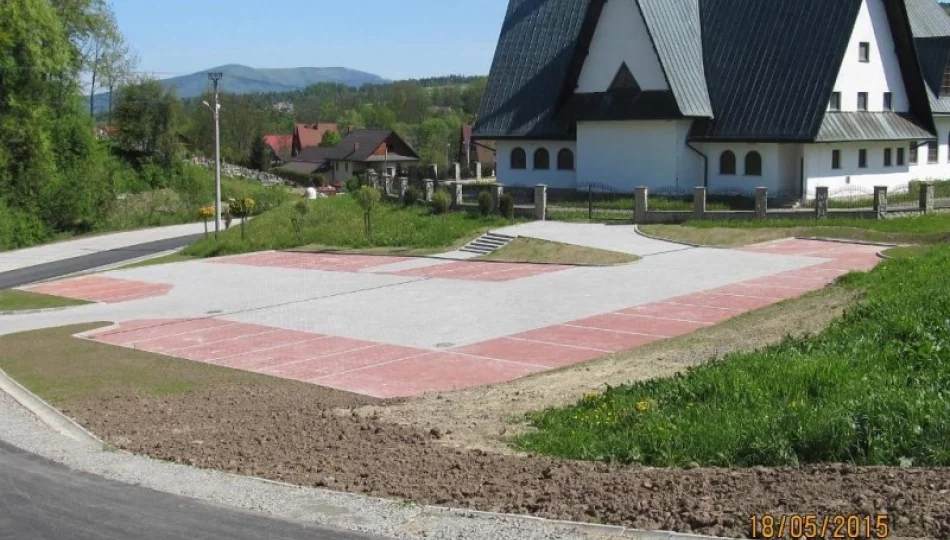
[{"x": 215, "y": 78}]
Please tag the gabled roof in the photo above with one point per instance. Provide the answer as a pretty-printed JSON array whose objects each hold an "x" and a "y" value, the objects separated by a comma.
[
  {"x": 359, "y": 145},
  {"x": 931, "y": 27},
  {"x": 928, "y": 18},
  {"x": 748, "y": 69},
  {"x": 309, "y": 136},
  {"x": 676, "y": 30}
]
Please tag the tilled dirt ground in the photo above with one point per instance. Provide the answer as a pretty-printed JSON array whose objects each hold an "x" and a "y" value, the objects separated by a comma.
[{"x": 449, "y": 450}]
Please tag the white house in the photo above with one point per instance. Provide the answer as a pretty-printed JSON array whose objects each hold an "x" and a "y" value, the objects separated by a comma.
[{"x": 790, "y": 95}]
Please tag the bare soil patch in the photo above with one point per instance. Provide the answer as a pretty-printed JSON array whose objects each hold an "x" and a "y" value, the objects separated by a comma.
[
  {"x": 532, "y": 250},
  {"x": 742, "y": 236},
  {"x": 293, "y": 432}
]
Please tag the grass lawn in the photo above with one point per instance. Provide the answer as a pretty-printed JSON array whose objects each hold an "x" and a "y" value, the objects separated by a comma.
[
  {"x": 14, "y": 300},
  {"x": 531, "y": 250},
  {"x": 871, "y": 389},
  {"x": 338, "y": 222},
  {"x": 94, "y": 370},
  {"x": 929, "y": 229},
  {"x": 166, "y": 259},
  {"x": 906, "y": 252}
]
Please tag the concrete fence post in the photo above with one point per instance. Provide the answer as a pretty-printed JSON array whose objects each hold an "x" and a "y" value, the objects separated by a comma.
[
  {"x": 880, "y": 201},
  {"x": 821, "y": 202},
  {"x": 478, "y": 171},
  {"x": 403, "y": 187},
  {"x": 388, "y": 183},
  {"x": 699, "y": 202},
  {"x": 457, "y": 199},
  {"x": 496, "y": 193},
  {"x": 540, "y": 202},
  {"x": 430, "y": 189},
  {"x": 926, "y": 197},
  {"x": 458, "y": 171},
  {"x": 641, "y": 204},
  {"x": 761, "y": 202}
]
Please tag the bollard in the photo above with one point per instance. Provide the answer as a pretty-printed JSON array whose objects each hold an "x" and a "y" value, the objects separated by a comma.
[
  {"x": 699, "y": 203},
  {"x": 821, "y": 202},
  {"x": 540, "y": 202},
  {"x": 641, "y": 204},
  {"x": 761, "y": 202},
  {"x": 880, "y": 202}
]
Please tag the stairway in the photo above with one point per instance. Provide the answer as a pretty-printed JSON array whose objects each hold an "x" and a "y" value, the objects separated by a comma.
[{"x": 487, "y": 244}]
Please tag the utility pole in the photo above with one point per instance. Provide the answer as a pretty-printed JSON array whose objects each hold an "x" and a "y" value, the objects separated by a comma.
[{"x": 216, "y": 78}]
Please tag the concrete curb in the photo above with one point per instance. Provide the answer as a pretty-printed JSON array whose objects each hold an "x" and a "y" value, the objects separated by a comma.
[
  {"x": 846, "y": 241},
  {"x": 48, "y": 414},
  {"x": 636, "y": 229}
]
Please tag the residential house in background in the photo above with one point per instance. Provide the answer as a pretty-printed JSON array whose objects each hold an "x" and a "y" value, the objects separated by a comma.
[
  {"x": 469, "y": 152},
  {"x": 380, "y": 150},
  {"x": 309, "y": 135},
  {"x": 790, "y": 95},
  {"x": 281, "y": 147}
]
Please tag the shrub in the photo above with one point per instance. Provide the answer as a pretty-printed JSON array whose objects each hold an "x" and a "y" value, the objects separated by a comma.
[
  {"x": 352, "y": 184},
  {"x": 486, "y": 203},
  {"x": 441, "y": 202},
  {"x": 368, "y": 198},
  {"x": 411, "y": 197},
  {"x": 302, "y": 207},
  {"x": 506, "y": 205}
]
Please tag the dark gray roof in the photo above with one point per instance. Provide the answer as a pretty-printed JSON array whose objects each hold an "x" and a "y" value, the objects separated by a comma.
[
  {"x": 772, "y": 65},
  {"x": 359, "y": 145},
  {"x": 928, "y": 18},
  {"x": 534, "y": 54},
  {"x": 870, "y": 126},
  {"x": 301, "y": 167},
  {"x": 675, "y": 28},
  {"x": 649, "y": 105}
]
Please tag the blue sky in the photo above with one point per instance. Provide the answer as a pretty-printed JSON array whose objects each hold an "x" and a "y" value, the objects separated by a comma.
[{"x": 396, "y": 39}]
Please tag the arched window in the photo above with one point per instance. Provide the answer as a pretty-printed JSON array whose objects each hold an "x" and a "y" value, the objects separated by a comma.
[
  {"x": 753, "y": 164},
  {"x": 542, "y": 159},
  {"x": 519, "y": 160},
  {"x": 727, "y": 162},
  {"x": 565, "y": 160}
]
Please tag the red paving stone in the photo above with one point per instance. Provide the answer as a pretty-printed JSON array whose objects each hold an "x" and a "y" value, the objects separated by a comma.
[
  {"x": 531, "y": 352},
  {"x": 639, "y": 325},
  {"x": 698, "y": 314},
  {"x": 102, "y": 289},
  {"x": 387, "y": 371},
  {"x": 344, "y": 361},
  {"x": 433, "y": 372},
  {"x": 591, "y": 338}
]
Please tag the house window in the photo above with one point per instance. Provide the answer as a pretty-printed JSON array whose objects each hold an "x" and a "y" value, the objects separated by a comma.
[
  {"x": 864, "y": 52},
  {"x": 836, "y": 159},
  {"x": 862, "y": 101},
  {"x": 888, "y": 158},
  {"x": 835, "y": 104},
  {"x": 888, "y": 101},
  {"x": 933, "y": 152},
  {"x": 519, "y": 160},
  {"x": 862, "y": 159},
  {"x": 753, "y": 164},
  {"x": 900, "y": 157},
  {"x": 542, "y": 159},
  {"x": 727, "y": 163},
  {"x": 913, "y": 153},
  {"x": 565, "y": 160}
]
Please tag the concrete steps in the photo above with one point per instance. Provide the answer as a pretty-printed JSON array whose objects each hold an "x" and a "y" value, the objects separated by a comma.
[{"x": 488, "y": 244}]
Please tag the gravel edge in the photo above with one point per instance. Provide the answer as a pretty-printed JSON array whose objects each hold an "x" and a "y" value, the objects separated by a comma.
[{"x": 31, "y": 424}]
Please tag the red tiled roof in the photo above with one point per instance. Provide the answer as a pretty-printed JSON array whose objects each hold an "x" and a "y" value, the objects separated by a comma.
[
  {"x": 308, "y": 135},
  {"x": 280, "y": 144}
]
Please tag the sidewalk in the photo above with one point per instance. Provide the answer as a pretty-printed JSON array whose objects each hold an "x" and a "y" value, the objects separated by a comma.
[{"x": 24, "y": 258}]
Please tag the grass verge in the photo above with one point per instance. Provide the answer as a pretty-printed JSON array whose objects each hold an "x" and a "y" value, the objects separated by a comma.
[
  {"x": 906, "y": 252},
  {"x": 14, "y": 300},
  {"x": 338, "y": 221},
  {"x": 165, "y": 259},
  {"x": 872, "y": 389},
  {"x": 928, "y": 229},
  {"x": 532, "y": 250}
]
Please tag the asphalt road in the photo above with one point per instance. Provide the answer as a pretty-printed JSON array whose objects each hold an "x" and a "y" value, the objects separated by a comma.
[
  {"x": 42, "y": 272},
  {"x": 42, "y": 500}
]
